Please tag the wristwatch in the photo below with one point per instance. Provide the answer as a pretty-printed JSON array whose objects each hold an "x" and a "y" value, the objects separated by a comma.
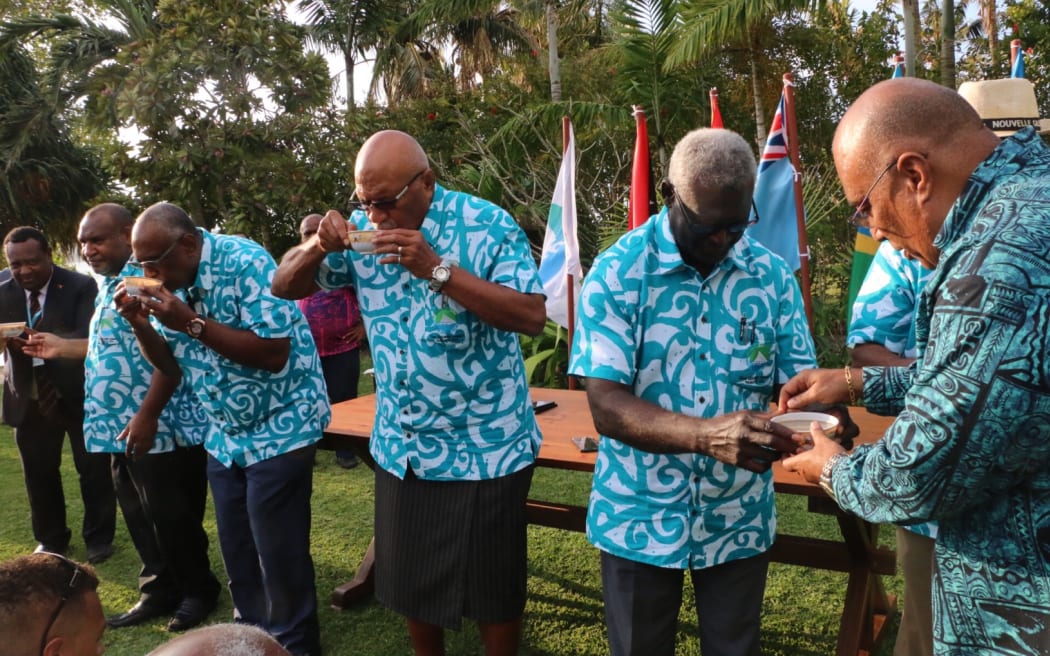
[
  {"x": 440, "y": 275},
  {"x": 825, "y": 474},
  {"x": 195, "y": 327}
]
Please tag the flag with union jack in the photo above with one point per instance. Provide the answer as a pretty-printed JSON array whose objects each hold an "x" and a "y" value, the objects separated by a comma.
[{"x": 777, "y": 228}]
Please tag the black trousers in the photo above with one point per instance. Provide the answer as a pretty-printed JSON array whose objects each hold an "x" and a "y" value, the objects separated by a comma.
[
  {"x": 642, "y": 603},
  {"x": 162, "y": 497},
  {"x": 39, "y": 441}
]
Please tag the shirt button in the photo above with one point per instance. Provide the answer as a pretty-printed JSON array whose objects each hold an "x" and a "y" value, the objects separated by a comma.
[
  {"x": 404, "y": 318},
  {"x": 404, "y": 286},
  {"x": 703, "y": 319},
  {"x": 404, "y": 412},
  {"x": 701, "y": 399},
  {"x": 703, "y": 356},
  {"x": 401, "y": 351}
]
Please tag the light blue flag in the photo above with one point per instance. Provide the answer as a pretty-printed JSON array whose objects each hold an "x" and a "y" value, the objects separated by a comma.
[
  {"x": 561, "y": 248},
  {"x": 898, "y": 67},
  {"x": 777, "y": 228},
  {"x": 1018, "y": 68}
]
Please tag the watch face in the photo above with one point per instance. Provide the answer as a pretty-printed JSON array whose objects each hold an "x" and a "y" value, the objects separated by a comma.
[
  {"x": 195, "y": 327},
  {"x": 442, "y": 273}
]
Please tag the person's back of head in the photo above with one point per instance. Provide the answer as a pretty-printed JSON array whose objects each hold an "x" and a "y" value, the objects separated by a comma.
[
  {"x": 49, "y": 604},
  {"x": 223, "y": 640}
]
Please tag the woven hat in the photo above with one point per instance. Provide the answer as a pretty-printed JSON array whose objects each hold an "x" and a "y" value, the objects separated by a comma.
[{"x": 1006, "y": 105}]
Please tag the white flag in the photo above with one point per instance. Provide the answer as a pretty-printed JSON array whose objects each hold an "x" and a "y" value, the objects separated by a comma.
[{"x": 561, "y": 250}]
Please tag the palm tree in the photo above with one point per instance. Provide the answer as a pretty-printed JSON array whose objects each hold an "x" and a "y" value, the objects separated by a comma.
[
  {"x": 47, "y": 178},
  {"x": 353, "y": 27}
]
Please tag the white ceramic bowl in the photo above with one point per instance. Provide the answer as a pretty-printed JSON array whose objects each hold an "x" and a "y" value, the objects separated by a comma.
[
  {"x": 13, "y": 329},
  {"x": 799, "y": 422},
  {"x": 361, "y": 240},
  {"x": 136, "y": 285}
]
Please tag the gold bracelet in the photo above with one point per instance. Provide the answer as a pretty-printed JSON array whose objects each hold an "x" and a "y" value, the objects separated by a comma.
[{"x": 849, "y": 386}]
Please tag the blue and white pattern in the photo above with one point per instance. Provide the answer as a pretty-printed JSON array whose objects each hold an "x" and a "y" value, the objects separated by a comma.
[
  {"x": 452, "y": 401},
  {"x": 117, "y": 378},
  {"x": 699, "y": 347},
  {"x": 971, "y": 445},
  {"x": 884, "y": 313},
  {"x": 255, "y": 414}
]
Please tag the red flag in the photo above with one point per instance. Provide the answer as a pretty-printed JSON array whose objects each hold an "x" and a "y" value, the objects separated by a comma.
[
  {"x": 638, "y": 208},
  {"x": 716, "y": 115}
]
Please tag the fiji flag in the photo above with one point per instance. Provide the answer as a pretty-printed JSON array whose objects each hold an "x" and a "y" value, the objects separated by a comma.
[
  {"x": 777, "y": 228},
  {"x": 561, "y": 249}
]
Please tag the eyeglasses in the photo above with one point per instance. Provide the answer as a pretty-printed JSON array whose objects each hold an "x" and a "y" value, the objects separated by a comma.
[
  {"x": 70, "y": 589},
  {"x": 387, "y": 204},
  {"x": 155, "y": 262},
  {"x": 862, "y": 214},
  {"x": 695, "y": 225}
]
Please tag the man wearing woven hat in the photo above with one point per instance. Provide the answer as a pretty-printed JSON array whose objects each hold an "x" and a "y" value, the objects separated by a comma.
[{"x": 971, "y": 444}]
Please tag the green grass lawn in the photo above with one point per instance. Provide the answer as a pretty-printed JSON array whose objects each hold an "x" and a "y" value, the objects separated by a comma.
[{"x": 564, "y": 613}]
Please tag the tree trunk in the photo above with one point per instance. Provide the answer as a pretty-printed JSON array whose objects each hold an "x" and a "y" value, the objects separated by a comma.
[
  {"x": 991, "y": 27},
  {"x": 756, "y": 91},
  {"x": 910, "y": 9},
  {"x": 553, "y": 62},
  {"x": 948, "y": 43},
  {"x": 348, "y": 61}
]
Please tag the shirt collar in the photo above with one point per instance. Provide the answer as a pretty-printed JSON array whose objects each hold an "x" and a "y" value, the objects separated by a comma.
[
  {"x": 1010, "y": 155},
  {"x": 669, "y": 258}
]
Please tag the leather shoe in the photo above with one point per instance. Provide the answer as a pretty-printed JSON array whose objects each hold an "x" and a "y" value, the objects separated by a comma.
[
  {"x": 99, "y": 554},
  {"x": 143, "y": 611},
  {"x": 43, "y": 548},
  {"x": 191, "y": 612}
]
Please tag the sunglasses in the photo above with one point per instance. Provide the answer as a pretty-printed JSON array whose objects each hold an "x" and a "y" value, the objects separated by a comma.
[
  {"x": 68, "y": 592},
  {"x": 695, "y": 224},
  {"x": 384, "y": 205}
]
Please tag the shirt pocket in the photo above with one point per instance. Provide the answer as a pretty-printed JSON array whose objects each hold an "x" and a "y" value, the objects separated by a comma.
[
  {"x": 448, "y": 325},
  {"x": 753, "y": 363}
]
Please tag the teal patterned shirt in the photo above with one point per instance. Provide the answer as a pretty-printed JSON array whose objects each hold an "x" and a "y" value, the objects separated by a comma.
[
  {"x": 884, "y": 313},
  {"x": 452, "y": 401},
  {"x": 699, "y": 347},
  {"x": 117, "y": 378},
  {"x": 971, "y": 443},
  {"x": 255, "y": 414}
]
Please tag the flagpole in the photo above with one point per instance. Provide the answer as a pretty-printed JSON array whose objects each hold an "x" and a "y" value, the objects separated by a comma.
[
  {"x": 638, "y": 205},
  {"x": 570, "y": 287},
  {"x": 800, "y": 212},
  {"x": 716, "y": 113},
  {"x": 1015, "y": 47}
]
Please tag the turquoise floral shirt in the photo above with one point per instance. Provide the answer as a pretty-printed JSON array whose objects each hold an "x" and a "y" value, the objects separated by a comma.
[
  {"x": 452, "y": 401},
  {"x": 699, "y": 347},
  {"x": 971, "y": 443},
  {"x": 884, "y": 313},
  {"x": 117, "y": 378},
  {"x": 255, "y": 414}
]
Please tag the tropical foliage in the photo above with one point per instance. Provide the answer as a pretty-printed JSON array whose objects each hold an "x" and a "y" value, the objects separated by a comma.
[{"x": 227, "y": 107}]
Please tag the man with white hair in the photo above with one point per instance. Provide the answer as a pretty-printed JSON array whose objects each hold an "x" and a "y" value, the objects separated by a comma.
[
  {"x": 223, "y": 640},
  {"x": 687, "y": 328}
]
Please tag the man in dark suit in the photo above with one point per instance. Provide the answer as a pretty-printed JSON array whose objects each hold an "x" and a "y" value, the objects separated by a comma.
[{"x": 44, "y": 399}]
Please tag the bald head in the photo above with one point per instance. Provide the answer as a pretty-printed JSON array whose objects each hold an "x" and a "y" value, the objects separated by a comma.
[
  {"x": 118, "y": 214},
  {"x": 392, "y": 170},
  {"x": 165, "y": 219},
  {"x": 309, "y": 225},
  {"x": 909, "y": 114},
  {"x": 222, "y": 640}
]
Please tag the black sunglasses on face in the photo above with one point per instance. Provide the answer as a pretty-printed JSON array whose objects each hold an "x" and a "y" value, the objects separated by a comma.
[
  {"x": 699, "y": 229},
  {"x": 155, "y": 262},
  {"x": 68, "y": 592},
  {"x": 384, "y": 205}
]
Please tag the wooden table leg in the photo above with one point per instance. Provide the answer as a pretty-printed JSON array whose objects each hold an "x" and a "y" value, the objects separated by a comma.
[
  {"x": 361, "y": 587},
  {"x": 867, "y": 606}
]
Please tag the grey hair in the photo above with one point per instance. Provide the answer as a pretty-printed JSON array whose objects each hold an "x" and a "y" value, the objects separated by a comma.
[
  {"x": 171, "y": 218},
  {"x": 712, "y": 158},
  {"x": 225, "y": 640}
]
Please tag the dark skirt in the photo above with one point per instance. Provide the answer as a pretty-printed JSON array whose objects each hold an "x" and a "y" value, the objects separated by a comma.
[{"x": 451, "y": 549}]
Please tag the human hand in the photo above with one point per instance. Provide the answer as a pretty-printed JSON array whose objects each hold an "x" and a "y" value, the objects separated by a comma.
[
  {"x": 746, "y": 439},
  {"x": 139, "y": 434},
  {"x": 809, "y": 463},
  {"x": 130, "y": 307},
  {"x": 167, "y": 308},
  {"x": 813, "y": 386},
  {"x": 45, "y": 346},
  {"x": 356, "y": 333},
  {"x": 332, "y": 231},
  {"x": 407, "y": 248}
]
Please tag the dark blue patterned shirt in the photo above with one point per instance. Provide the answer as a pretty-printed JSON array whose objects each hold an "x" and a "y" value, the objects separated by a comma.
[{"x": 971, "y": 445}]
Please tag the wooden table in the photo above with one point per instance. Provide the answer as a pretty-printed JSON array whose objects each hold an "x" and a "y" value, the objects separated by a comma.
[{"x": 866, "y": 606}]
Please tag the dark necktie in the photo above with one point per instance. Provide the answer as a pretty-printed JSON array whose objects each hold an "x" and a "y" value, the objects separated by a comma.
[{"x": 46, "y": 393}]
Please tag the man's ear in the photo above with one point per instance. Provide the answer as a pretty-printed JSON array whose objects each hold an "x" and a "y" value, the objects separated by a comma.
[
  {"x": 54, "y": 646},
  {"x": 916, "y": 169}
]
